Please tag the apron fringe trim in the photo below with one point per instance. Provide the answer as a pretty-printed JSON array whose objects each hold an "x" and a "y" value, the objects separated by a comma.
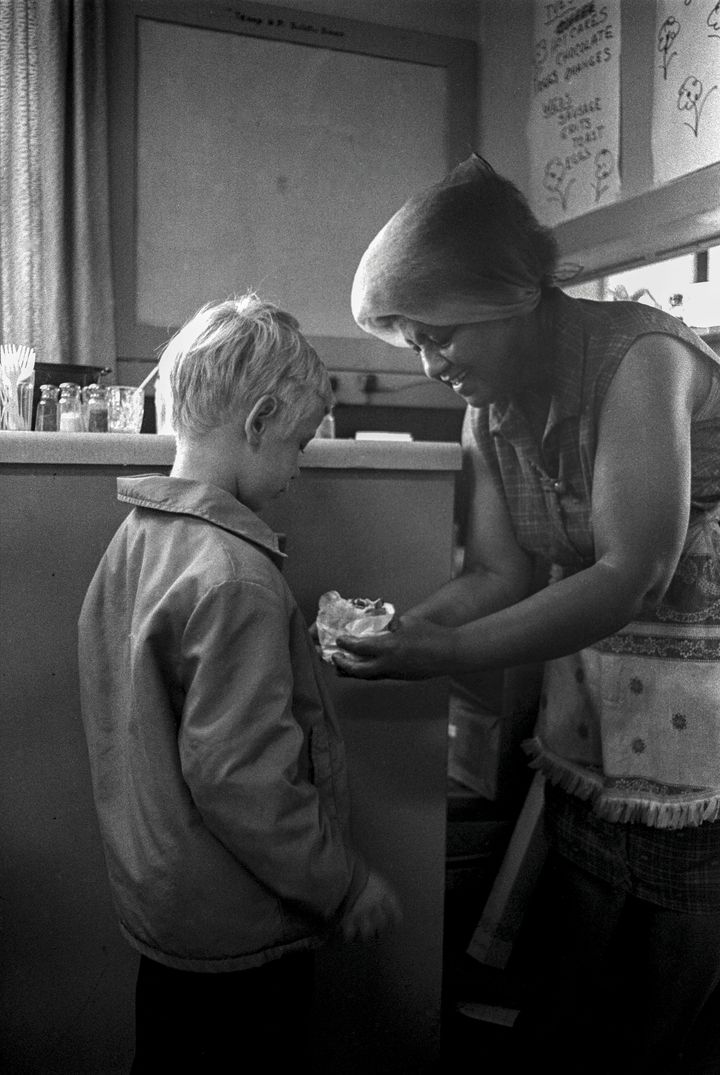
[{"x": 664, "y": 811}]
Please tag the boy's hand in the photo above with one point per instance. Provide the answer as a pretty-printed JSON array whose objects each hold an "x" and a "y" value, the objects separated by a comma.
[{"x": 375, "y": 910}]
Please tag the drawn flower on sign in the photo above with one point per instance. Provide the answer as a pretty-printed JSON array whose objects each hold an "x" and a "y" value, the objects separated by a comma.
[
  {"x": 666, "y": 36},
  {"x": 689, "y": 94},
  {"x": 713, "y": 20},
  {"x": 553, "y": 181},
  {"x": 554, "y": 173},
  {"x": 604, "y": 165}
]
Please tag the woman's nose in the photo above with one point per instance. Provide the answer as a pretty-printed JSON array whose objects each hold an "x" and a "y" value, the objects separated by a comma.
[{"x": 434, "y": 365}]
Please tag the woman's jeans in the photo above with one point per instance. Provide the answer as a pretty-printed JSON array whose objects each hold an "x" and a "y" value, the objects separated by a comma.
[{"x": 618, "y": 984}]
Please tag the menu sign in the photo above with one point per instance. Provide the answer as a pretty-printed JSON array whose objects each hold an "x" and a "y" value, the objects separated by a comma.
[
  {"x": 574, "y": 124},
  {"x": 686, "y": 87}
]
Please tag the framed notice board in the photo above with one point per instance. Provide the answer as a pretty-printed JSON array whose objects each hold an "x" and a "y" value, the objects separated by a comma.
[{"x": 259, "y": 147}]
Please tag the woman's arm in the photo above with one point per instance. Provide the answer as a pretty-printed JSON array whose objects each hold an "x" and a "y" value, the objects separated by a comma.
[
  {"x": 641, "y": 505},
  {"x": 496, "y": 571}
]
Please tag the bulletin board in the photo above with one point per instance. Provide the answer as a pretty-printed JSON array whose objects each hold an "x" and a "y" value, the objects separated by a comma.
[
  {"x": 261, "y": 148},
  {"x": 655, "y": 217}
]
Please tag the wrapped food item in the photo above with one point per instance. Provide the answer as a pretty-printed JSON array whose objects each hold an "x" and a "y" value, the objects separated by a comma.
[{"x": 349, "y": 616}]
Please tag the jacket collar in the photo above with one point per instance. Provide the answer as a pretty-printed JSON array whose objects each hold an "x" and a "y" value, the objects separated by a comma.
[{"x": 180, "y": 496}]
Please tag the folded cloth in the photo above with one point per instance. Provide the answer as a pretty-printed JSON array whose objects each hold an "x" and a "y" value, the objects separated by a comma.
[{"x": 356, "y": 616}]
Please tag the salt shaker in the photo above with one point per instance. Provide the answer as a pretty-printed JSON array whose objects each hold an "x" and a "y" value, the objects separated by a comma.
[
  {"x": 70, "y": 418},
  {"x": 46, "y": 413}
]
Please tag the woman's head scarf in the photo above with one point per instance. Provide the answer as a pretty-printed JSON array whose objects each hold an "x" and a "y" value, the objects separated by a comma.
[{"x": 467, "y": 249}]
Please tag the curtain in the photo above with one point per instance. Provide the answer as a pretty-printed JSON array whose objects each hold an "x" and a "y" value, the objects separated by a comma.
[{"x": 55, "y": 267}]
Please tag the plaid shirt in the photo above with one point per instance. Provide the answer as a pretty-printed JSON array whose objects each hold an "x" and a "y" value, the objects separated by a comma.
[
  {"x": 678, "y": 869},
  {"x": 548, "y": 487}
]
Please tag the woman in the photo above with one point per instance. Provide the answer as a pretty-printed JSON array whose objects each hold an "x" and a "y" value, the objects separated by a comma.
[{"x": 591, "y": 440}]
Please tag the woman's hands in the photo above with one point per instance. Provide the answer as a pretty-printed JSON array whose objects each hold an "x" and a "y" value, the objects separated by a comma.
[{"x": 411, "y": 649}]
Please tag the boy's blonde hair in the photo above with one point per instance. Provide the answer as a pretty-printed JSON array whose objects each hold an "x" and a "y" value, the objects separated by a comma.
[{"x": 232, "y": 353}]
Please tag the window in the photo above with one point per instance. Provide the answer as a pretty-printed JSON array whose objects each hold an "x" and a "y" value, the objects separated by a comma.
[{"x": 687, "y": 286}]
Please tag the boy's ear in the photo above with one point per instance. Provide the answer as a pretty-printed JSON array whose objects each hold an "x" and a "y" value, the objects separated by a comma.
[{"x": 256, "y": 421}]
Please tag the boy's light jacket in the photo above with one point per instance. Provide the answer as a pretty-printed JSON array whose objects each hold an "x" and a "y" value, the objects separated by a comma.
[{"x": 217, "y": 765}]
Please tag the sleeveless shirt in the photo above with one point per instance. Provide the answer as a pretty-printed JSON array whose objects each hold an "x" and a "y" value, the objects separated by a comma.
[{"x": 631, "y": 723}]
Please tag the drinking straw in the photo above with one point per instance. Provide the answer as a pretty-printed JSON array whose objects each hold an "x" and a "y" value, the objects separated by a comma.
[{"x": 143, "y": 384}]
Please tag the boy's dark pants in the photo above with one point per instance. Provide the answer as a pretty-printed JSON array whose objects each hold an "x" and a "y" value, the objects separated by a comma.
[{"x": 238, "y": 1021}]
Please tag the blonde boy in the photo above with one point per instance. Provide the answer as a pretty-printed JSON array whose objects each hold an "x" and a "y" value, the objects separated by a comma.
[{"x": 217, "y": 765}]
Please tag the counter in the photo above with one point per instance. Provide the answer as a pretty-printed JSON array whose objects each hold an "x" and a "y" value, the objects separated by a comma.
[
  {"x": 369, "y": 519},
  {"x": 156, "y": 452}
]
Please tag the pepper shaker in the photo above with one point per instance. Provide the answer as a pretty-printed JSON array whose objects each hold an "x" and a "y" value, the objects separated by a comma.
[
  {"x": 46, "y": 418},
  {"x": 96, "y": 409}
]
